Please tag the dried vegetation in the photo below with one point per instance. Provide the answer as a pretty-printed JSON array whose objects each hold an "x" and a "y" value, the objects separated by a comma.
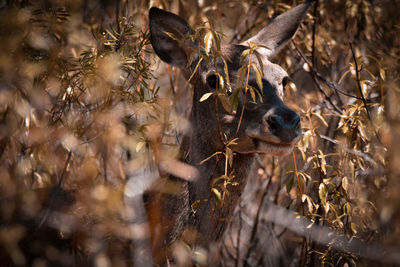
[{"x": 80, "y": 110}]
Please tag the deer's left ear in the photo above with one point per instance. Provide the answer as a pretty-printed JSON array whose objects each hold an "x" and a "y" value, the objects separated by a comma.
[
  {"x": 163, "y": 25},
  {"x": 281, "y": 30}
]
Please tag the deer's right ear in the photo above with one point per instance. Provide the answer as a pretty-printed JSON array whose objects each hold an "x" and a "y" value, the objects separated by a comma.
[{"x": 174, "y": 47}]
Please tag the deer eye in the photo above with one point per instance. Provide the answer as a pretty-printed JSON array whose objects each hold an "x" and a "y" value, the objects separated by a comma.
[
  {"x": 285, "y": 81},
  {"x": 212, "y": 81}
]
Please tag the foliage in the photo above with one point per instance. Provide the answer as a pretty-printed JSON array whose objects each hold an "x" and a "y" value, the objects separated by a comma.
[{"x": 80, "y": 110}]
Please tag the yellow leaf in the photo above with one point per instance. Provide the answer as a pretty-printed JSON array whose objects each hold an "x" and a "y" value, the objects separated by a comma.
[
  {"x": 310, "y": 202},
  {"x": 323, "y": 193},
  {"x": 352, "y": 169},
  {"x": 345, "y": 184},
  {"x": 344, "y": 75},
  {"x": 353, "y": 227},
  {"x": 139, "y": 146},
  {"x": 195, "y": 205},
  {"x": 217, "y": 194},
  {"x": 241, "y": 75},
  {"x": 253, "y": 95},
  {"x": 207, "y": 42},
  {"x": 382, "y": 73},
  {"x": 323, "y": 161},
  {"x": 245, "y": 53},
  {"x": 321, "y": 118},
  {"x": 306, "y": 139},
  {"x": 221, "y": 81},
  {"x": 205, "y": 97},
  {"x": 225, "y": 103},
  {"x": 171, "y": 35},
  {"x": 259, "y": 76},
  {"x": 226, "y": 71}
]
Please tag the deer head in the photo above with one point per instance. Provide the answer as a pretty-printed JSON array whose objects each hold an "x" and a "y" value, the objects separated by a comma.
[{"x": 267, "y": 126}]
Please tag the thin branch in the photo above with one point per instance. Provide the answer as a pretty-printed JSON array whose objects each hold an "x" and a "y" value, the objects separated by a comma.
[
  {"x": 361, "y": 93},
  {"x": 298, "y": 181},
  {"x": 315, "y": 76},
  {"x": 359, "y": 82},
  {"x": 314, "y": 33},
  {"x": 322, "y": 78},
  {"x": 64, "y": 170},
  {"x": 55, "y": 192}
]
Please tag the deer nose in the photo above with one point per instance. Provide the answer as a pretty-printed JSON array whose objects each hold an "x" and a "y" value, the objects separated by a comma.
[{"x": 286, "y": 126}]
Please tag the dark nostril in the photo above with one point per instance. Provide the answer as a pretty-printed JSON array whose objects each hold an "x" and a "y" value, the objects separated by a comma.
[
  {"x": 296, "y": 123},
  {"x": 274, "y": 122}
]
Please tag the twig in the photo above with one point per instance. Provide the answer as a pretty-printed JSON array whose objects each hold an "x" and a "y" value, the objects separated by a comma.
[
  {"x": 361, "y": 93},
  {"x": 314, "y": 33},
  {"x": 298, "y": 181},
  {"x": 64, "y": 170},
  {"x": 322, "y": 78},
  {"x": 55, "y": 191},
  {"x": 359, "y": 82}
]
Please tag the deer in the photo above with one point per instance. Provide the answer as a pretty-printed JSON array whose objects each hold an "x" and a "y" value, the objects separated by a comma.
[{"x": 265, "y": 126}]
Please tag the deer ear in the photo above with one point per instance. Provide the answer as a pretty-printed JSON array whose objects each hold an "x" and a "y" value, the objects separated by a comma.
[
  {"x": 173, "y": 51},
  {"x": 281, "y": 30}
]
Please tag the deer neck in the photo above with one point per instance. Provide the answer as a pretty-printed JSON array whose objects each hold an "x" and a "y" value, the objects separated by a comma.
[{"x": 203, "y": 141}]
